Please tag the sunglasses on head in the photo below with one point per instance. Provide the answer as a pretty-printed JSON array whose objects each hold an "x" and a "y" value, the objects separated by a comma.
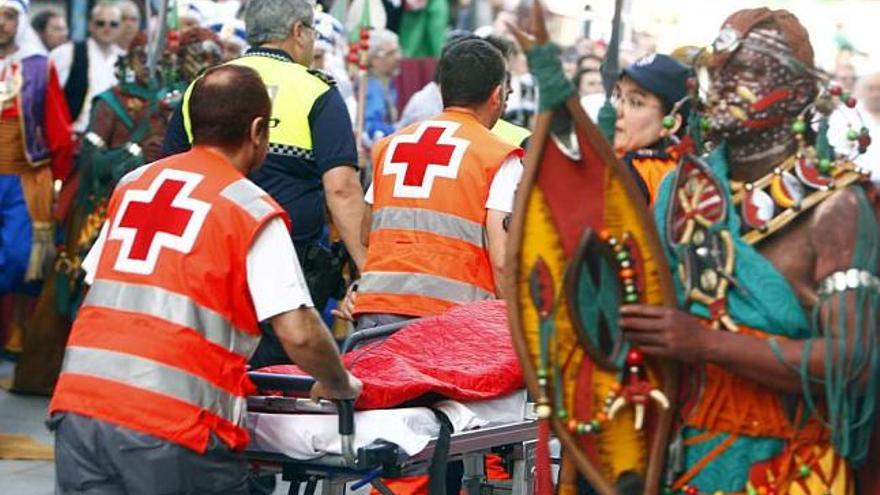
[{"x": 103, "y": 23}]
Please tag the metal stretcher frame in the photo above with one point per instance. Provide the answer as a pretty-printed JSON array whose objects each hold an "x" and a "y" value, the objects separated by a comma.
[{"x": 384, "y": 459}]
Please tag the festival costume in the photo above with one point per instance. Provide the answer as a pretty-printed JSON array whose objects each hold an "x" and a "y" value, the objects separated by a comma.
[
  {"x": 427, "y": 245},
  {"x": 123, "y": 120},
  {"x": 150, "y": 350},
  {"x": 738, "y": 435},
  {"x": 584, "y": 247},
  {"x": 35, "y": 150}
]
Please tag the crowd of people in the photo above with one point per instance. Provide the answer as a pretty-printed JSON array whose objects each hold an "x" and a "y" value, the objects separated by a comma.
[{"x": 261, "y": 173}]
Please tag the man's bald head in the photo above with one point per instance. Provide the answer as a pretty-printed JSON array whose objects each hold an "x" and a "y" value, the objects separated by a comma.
[{"x": 224, "y": 103}]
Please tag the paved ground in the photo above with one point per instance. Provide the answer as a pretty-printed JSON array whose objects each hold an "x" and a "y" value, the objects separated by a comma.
[{"x": 25, "y": 414}]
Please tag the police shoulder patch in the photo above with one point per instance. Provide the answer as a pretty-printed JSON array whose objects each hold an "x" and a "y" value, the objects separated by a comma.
[{"x": 323, "y": 76}]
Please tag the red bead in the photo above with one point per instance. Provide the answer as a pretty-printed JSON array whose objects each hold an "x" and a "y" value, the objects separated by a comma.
[
  {"x": 690, "y": 490},
  {"x": 365, "y": 45},
  {"x": 864, "y": 141},
  {"x": 173, "y": 35},
  {"x": 634, "y": 357},
  {"x": 365, "y": 34},
  {"x": 353, "y": 58},
  {"x": 836, "y": 90},
  {"x": 851, "y": 103}
]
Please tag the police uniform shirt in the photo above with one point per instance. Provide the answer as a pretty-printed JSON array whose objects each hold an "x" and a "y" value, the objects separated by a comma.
[{"x": 295, "y": 181}]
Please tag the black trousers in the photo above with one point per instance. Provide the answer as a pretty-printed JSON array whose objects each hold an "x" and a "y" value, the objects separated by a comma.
[{"x": 93, "y": 457}]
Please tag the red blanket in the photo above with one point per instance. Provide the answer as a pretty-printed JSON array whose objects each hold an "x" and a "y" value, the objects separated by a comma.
[{"x": 464, "y": 354}]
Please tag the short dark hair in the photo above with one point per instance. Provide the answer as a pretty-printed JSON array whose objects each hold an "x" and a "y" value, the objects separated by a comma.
[
  {"x": 224, "y": 102},
  {"x": 469, "y": 71},
  {"x": 41, "y": 20},
  {"x": 504, "y": 45}
]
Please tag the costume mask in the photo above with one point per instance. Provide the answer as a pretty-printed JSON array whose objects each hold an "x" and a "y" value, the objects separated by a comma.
[
  {"x": 132, "y": 68},
  {"x": 199, "y": 49},
  {"x": 752, "y": 84}
]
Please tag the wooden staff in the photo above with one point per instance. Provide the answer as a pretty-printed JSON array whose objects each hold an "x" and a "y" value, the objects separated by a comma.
[{"x": 157, "y": 43}]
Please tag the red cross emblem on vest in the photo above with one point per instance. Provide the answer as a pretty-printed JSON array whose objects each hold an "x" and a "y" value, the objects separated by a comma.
[
  {"x": 163, "y": 216},
  {"x": 417, "y": 159}
]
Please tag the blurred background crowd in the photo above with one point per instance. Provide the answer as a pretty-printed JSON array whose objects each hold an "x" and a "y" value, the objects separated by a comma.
[
  {"x": 411, "y": 34},
  {"x": 105, "y": 61}
]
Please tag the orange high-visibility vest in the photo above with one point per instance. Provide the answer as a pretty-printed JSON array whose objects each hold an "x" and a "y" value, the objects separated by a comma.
[
  {"x": 161, "y": 342},
  {"x": 427, "y": 248},
  {"x": 653, "y": 170}
]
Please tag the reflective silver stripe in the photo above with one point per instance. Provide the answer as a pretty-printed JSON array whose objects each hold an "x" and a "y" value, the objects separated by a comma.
[
  {"x": 422, "y": 285},
  {"x": 173, "y": 307},
  {"x": 156, "y": 377},
  {"x": 430, "y": 221},
  {"x": 249, "y": 196}
]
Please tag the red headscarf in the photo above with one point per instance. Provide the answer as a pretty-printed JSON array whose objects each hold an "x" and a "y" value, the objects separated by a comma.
[{"x": 796, "y": 36}]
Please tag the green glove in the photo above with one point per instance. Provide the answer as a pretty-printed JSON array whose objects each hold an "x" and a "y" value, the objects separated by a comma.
[{"x": 553, "y": 87}]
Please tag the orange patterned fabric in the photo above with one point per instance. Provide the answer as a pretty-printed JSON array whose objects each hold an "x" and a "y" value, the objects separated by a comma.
[
  {"x": 729, "y": 404},
  {"x": 736, "y": 405}
]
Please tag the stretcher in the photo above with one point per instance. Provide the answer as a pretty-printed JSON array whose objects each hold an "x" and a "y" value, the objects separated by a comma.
[{"x": 328, "y": 447}]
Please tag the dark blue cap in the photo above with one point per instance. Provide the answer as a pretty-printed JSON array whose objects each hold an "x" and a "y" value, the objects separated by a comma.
[{"x": 662, "y": 76}]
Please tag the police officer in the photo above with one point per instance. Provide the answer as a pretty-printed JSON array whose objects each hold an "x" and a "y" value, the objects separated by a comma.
[
  {"x": 151, "y": 396},
  {"x": 312, "y": 156}
]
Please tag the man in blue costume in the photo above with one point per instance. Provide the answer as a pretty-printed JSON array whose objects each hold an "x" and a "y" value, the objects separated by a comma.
[{"x": 35, "y": 150}]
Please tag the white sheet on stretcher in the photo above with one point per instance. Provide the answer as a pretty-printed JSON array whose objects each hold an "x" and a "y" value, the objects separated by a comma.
[{"x": 309, "y": 436}]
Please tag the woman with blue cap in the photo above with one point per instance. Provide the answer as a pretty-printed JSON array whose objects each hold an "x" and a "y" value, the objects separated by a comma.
[{"x": 649, "y": 99}]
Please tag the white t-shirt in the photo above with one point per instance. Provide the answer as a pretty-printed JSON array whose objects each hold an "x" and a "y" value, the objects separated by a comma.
[
  {"x": 501, "y": 191},
  {"x": 422, "y": 105},
  {"x": 102, "y": 73},
  {"x": 275, "y": 279}
]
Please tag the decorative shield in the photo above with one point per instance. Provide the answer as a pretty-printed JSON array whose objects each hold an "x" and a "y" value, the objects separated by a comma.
[{"x": 583, "y": 243}]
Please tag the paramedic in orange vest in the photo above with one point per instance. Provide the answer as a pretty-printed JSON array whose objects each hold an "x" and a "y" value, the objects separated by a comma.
[
  {"x": 441, "y": 191},
  {"x": 151, "y": 397}
]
